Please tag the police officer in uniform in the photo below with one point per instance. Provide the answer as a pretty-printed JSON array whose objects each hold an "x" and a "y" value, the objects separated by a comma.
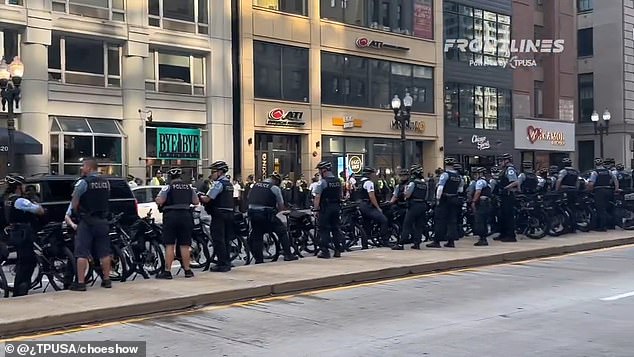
[
  {"x": 542, "y": 180},
  {"x": 600, "y": 183},
  {"x": 495, "y": 202},
  {"x": 481, "y": 206},
  {"x": 415, "y": 194},
  {"x": 529, "y": 181},
  {"x": 219, "y": 204},
  {"x": 369, "y": 204},
  {"x": 265, "y": 201},
  {"x": 447, "y": 209},
  {"x": 568, "y": 183},
  {"x": 509, "y": 186},
  {"x": 398, "y": 196},
  {"x": 553, "y": 175},
  {"x": 175, "y": 201},
  {"x": 20, "y": 215},
  {"x": 624, "y": 177},
  {"x": 91, "y": 200},
  {"x": 327, "y": 203}
]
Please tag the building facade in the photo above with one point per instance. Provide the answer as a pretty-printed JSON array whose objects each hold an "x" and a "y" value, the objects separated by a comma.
[
  {"x": 544, "y": 94},
  {"x": 606, "y": 78},
  {"x": 317, "y": 77},
  {"x": 140, "y": 85}
]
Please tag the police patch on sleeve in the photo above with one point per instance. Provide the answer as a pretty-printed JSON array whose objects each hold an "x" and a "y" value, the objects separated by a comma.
[{"x": 511, "y": 172}]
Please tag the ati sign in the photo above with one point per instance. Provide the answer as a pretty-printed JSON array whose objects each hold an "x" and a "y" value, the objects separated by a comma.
[
  {"x": 176, "y": 143},
  {"x": 363, "y": 42},
  {"x": 279, "y": 117}
]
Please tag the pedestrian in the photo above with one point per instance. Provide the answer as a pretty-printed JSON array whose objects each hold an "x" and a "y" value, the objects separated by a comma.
[
  {"x": 313, "y": 186},
  {"x": 327, "y": 204},
  {"x": 481, "y": 206},
  {"x": 287, "y": 190},
  {"x": 20, "y": 214},
  {"x": 132, "y": 182},
  {"x": 175, "y": 201},
  {"x": 600, "y": 182},
  {"x": 90, "y": 200},
  {"x": 415, "y": 195},
  {"x": 568, "y": 184},
  {"x": 301, "y": 191},
  {"x": 247, "y": 189},
  {"x": 219, "y": 204},
  {"x": 158, "y": 179},
  {"x": 509, "y": 186},
  {"x": 237, "y": 194},
  {"x": 450, "y": 184}
]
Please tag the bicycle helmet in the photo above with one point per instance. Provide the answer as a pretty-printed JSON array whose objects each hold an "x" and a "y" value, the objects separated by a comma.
[
  {"x": 368, "y": 170},
  {"x": 620, "y": 167},
  {"x": 450, "y": 161},
  {"x": 219, "y": 166},
  {"x": 276, "y": 176},
  {"x": 566, "y": 161},
  {"x": 416, "y": 170},
  {"x": 15, "y": 180},
  {"x": 507, "y": 156},
  {"x": 598, "y": 161},
  {"x": 495, "y": 170},
  {"x": 175, "y": 171},
  {"x": 324, "y": 165}
]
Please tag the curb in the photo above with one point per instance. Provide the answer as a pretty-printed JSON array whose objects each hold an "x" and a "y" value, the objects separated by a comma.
[{"x": 110, "y": 314}]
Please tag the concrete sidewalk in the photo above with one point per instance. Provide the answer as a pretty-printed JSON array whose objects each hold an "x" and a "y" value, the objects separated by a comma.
[{"x": 41, "y": 312}]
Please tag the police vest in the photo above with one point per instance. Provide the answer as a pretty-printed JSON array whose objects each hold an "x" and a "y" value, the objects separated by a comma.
[
  {"x": 332, "y": 192},
  {"x": 625, "y": 180},
  {"x": 495, "y": 187},
  {"x": 179, "y": 196},
  {"x": 486, "y": 191},
  {"x": 361, "y": 193},
  {"x": 530, "y": 183},
  {"x": 400, "y": 192},
  {"x": 603, "y": 178},
  {"x": 224, "y": 200},
  {"x": 14, "y": 215},
  {"x": 571, "y": 178},
  {"x": 452, "y": 185},
  {"x": 420, "y": 191},
  {"x": 503, "y": 180},
  {"x": 262, "y": 195},
  {"x": 94, "y": 202}
]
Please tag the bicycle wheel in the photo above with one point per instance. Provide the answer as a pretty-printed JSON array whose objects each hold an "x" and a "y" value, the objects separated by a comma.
[
  {"x": 4, "y": 284},
  {"x": 536, "y": 225},
  {"x": 271, "y": 250},
  {"x": 119, "y": 267},
  {"x": 153, "y": 258},
  {"x": 239, "y": 250},
  {"x": 200, "y": 256},
  {"x": 583, "y": 218},
  {"x": 62, "y": 270}
]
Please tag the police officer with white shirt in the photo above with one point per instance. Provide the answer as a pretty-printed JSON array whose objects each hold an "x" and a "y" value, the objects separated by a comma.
[
  {"x": 369, "y": 205},
  {"x": 175, "y": 201},
  {"x": 481, "y": 206},
  {"x": 509, "y": 186},
  {"x": 600, "y": 182},
  {"x": 415, "y": 195},
  {"x": 450, "y": 184}
]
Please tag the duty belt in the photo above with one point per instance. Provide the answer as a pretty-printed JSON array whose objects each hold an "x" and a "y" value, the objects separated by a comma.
[
  {"x": 603, "y": 187},
  {"x": 418, "y": 200}
]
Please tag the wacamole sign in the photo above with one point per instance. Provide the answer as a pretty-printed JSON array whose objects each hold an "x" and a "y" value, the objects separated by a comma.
[
  {"x": 554, "y": 137},
  {"x": 542, "y": 135}
]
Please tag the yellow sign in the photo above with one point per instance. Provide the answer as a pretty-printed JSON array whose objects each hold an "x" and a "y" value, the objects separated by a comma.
[{"x": 347, "y": 122}]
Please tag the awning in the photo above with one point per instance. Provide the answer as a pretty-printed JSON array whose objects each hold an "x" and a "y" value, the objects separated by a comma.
[{"x": 24, "y": 144}]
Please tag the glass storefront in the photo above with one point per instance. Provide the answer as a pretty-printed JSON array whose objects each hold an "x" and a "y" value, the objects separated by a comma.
[
  {"x": 279, "y": 153},
  {"x": 353, "y": 154}
]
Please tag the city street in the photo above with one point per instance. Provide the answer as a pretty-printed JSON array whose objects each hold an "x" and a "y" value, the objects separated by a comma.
[{"x": 575, "y": 305}]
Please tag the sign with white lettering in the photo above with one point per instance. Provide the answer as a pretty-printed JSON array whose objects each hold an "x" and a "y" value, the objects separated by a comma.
[
  {"x": 481, "y": 142},
  {"x": 355, "y": 163},
  {"x": 544, "y": 135},
  {"x": 363, "y": 42},
  {"x": 280, "y": 117},
  {"x": 177, "y": 143}
]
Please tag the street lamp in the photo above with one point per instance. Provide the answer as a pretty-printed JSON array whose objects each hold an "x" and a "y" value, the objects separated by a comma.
[
  {"x": 402, "y": 110},
  {"x": 601, "y": 128},
  {"x": 10, "y": 80}
]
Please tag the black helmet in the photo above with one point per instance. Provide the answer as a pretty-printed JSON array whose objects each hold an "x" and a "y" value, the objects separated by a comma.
[
  {"x": 609, "y": 161},
  {"x": 495, "y": 170},
  {"x": 416, "y": 170},
  {"x": 598, "y": 161},
  {"x": 276, "y": 176},
  {"x": 219, "y": 166},
  {"x": 543, "y": 171},
  {"x": 566, "y": 161},
  {"x": 404, "y": 172},
  {"x": 620, "y": 166},
  {"x": 175, "y": 171},
  {"x": 15, "y": 180},
  {"x": 507, "y": 156},
  {"x": 457, "y": 166},
  {"x": 450, "y": 161},
  {"x": 553, "y": 169},
  {"x": 480, "y": 170},
  {"x": 368, "y": 170},
  {"x": 327, "y": 165}
]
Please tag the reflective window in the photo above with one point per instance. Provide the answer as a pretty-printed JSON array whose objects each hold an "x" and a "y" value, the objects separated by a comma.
[
  {"x": 585, "y": 43},
  {"x": 586, "y": 96},
  {"x": 452, "y": 104},
  {"x": 180, "y": 15},
  {"x": 9, "y": 44},
  {"x": 181, "y": 73},
  {"x": 298, "y": 7},
  {"x": 100, "y": 9},
  {"x": 481, "y": 107},
  {"x": 280, "y": 72},
  {"x": 584, "y": 5}
]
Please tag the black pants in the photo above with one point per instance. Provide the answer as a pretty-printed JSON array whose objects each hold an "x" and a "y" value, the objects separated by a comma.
[
  {"x": 372, "y": 214},
  {"x": 22, "y": 238},
  {"x": 571, "y": 195},
  {"x": 445, "y": 218},
  {"x": 507, "y": 216},
  {"x": 265, "y": 221},
  {"x": 330, "y": 226},
  {"x": 222, "y": 235},
  {"x": 414, "y": 222},
  {"x": 602, "y": 198},
  {"x": 481, "y": 218}
]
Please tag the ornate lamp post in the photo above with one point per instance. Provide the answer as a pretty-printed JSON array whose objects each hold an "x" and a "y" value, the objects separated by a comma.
[
  {"x": 402, "y": 110},
  {"x": 601, "y": 128}
]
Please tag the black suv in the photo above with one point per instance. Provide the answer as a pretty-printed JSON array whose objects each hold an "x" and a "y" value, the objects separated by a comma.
[{"x": 54, "y": 193}]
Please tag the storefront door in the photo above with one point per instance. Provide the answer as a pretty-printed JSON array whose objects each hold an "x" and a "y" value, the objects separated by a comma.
[{"x": 278, "y": 153}]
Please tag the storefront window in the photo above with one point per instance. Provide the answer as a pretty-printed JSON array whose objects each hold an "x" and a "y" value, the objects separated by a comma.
[
  {"x": 279, "y": 153},
  {"x": 280, "y": 72},
  {"x": 179, "y": 15},
  {"x": 479, "y": 107}
]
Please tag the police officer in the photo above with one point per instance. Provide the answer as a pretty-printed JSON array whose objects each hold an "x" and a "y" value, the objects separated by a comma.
[
  {"x": 327, "y": 203},
  {"x": 542, "y": 180},
  {"x": 495, "y": 201},
  {"x": 624, "y": 178},
  {"x": 265, "y": 200},
  {"x": 287, "y": 190},
  {"x": 609, "y": 163},
  {"x": 461, "y": 196},
  {"x": 369, "y": 204},
  {"x": 175, "y": 201},
  {"x": 20, "y": 215},
  {"x": 481, "y": 206},
  {"x": 91, "y": 201},
  {"x": 219, "y": 204},
  {"x": 529, "y": 182},
  {"x": 600, "y": 183},
  {"x": 553, "y": 174},
  {"x": 398, "y": 196},
  {"x": 415, "y": 194},
  {"x": 447, "y": 209},
  {"x": 568, "y": 183},
  {"x": 509, "y": 186}
]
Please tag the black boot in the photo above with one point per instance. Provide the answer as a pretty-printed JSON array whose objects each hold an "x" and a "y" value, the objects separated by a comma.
[{"x": 481, "y": 243}]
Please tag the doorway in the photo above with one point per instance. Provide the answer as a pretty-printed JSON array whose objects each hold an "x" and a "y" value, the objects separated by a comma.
[{"x": 278, "y": 153}]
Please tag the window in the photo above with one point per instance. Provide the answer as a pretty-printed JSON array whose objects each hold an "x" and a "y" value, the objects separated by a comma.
[
  {"x": 9, "y": 44},
  {"x": 492, "y": 30},
  {"x": 298, "y": 7},
  {"x": 101, "y": 9},
  {"x": 84, "y": 61},
  {"x": 585, "y": 45},
  {"x": 180, "y": 15},
  {"x": 480, "y": 107},
  {"x": 586, "y": 97},
  {"x": 586, "y": 155},
  {"x": 538, "y": 99},
  {"x": 398, "y": 16},
  {"x": 584, "y": 5},
  {"x": 80, "y": 138},
  {"x": 362, "y": 82},
  {"x": 281, "y": 72},
  {"x": 13, "y": 2},
  {"x": 176, "y": 73}
]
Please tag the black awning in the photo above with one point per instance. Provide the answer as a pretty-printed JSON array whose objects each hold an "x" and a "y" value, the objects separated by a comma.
[{"x": 25, "y": 144}]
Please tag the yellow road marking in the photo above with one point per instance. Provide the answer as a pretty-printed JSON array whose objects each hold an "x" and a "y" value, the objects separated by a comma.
[{"x": 289, "y": 296}]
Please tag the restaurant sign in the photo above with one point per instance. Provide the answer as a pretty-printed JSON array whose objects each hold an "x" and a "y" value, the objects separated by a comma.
[
  {"x": 178, "y": 143},
  {"x": 544, "y": 135}
]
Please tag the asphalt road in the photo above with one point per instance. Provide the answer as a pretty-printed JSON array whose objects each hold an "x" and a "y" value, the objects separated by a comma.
[{"x": 568, "y": 306}]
